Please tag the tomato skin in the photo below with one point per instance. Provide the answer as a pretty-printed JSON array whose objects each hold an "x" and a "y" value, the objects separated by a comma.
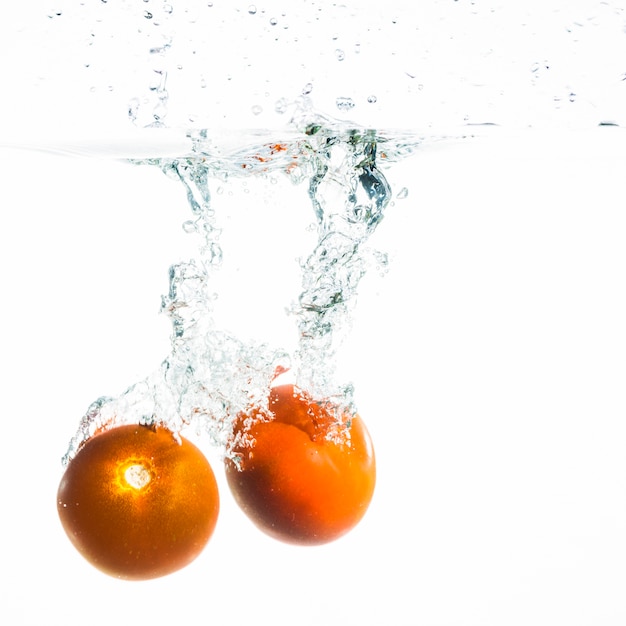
[
  {"x": 144, "y": 531},
  {"x": 292, "y": 482}
]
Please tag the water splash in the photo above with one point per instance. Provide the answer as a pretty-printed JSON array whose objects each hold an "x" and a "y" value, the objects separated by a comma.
[{"x": 210, "y": 376}]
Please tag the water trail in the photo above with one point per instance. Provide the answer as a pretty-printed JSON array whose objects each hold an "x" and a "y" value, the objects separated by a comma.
[{"x": 349, "y": 194}]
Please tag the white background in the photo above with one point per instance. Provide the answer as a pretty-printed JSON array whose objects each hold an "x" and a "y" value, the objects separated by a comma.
[{"x": 488, "y": 364}]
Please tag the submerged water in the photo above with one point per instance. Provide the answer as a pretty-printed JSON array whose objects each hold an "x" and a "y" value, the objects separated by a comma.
[{"x": 211, "y": 375}]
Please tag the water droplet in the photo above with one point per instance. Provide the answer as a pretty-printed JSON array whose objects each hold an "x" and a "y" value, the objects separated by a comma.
[
  {"x": 252, "y": 9},
  {"x": 537, "y": 66},
  {"x": 168, "y": 8},
  {"x": 147, "y": 15},
  {"x": 344, "y": 104},
  {"x": 307, "y": 89},
  {"x": 273, "y": 21},
  {"x": 340, "y": 54},
  {"x": 402, "y": 194},
  {"x": 257, "y": 109},
  {"x": 372, "y": 99},
  {"x": 133, "y": 108},
  {"x": 190, "y": 227},
  {"x": 281, "y": 106},
  {"x": 161, "y": 49}
]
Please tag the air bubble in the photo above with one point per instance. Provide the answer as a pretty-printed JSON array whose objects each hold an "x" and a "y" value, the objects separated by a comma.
[
  {"x": 133, "y": 108},
  {"x": 344, "y": 104},
  {"x": 372, "y": 99},
  {"x": 281, "y": 106},
  {"x": 273, "y": 21},
  {"x": 257, "y": 109},
  {"x": 252, "y": 9},
  {"x": 190, "y": 227},
  {"x": 161, "y": 49},
  {"x": 402, "y": 194},
  {"x": 307, "y": 89},
  {"x": 539, "y": 66},
  {"x": 340, "y": 55},
  {"x": 147, "y": 15}
]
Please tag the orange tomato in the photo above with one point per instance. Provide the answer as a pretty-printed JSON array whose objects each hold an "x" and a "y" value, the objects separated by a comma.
[
  {"x": 136, "y": 503},
  {"x": 293, "y": 481}
]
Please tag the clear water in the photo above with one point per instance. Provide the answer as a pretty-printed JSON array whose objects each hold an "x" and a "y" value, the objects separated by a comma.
[{"x": 211, "y": 375}]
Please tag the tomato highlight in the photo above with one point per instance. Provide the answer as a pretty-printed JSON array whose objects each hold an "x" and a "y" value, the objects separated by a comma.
[{"x": 137, "y": 503}]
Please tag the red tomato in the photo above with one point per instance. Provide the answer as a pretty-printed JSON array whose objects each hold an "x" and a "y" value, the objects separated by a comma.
[
  {"x": 136, "y": 503},
  {"x": 292, "y": 481}
]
